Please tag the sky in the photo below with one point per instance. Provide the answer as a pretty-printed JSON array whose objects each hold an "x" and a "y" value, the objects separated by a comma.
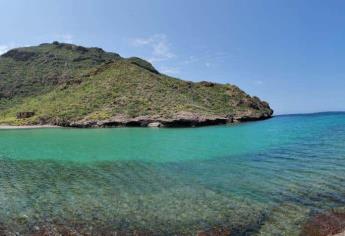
[{"x": 290, "y": 53}]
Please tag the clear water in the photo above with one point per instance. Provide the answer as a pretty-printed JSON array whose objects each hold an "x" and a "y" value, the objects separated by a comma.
[{"x": 260, "y": 178}]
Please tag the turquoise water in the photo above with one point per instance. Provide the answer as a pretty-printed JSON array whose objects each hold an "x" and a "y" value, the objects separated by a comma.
[{"x": 259, "y": 178}]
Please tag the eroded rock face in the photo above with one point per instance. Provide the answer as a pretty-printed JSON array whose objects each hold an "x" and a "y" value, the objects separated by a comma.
[
  {"x": 182, "y": 119},
  {"x": 259, "y": 110},
  {"x": 325, "y": 224}
]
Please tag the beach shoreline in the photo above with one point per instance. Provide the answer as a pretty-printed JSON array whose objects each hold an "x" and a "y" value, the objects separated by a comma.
[{"x": 27, "y": 126}]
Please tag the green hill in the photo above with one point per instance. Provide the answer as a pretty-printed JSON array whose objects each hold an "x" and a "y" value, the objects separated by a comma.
[{"x": 69, "y": 85}]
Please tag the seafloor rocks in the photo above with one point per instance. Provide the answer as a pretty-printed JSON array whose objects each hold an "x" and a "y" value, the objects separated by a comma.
[
  {"x": 116, "y": 198},
  {"x": 326, "y": 224}
]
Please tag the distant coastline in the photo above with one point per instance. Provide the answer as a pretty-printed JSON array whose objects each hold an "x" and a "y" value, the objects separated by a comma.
[{"x": 310, "y": 113}]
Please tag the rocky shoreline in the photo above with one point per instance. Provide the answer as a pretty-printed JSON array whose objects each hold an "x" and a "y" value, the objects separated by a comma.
[{"x": 180, "y": 120}]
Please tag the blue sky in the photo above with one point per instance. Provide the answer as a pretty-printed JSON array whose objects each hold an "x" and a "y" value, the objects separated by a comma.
[{"x": 288, "y": 52}]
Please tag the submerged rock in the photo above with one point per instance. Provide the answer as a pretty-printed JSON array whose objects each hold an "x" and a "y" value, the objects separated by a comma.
[
  {"x": 331, "y": 223},
  {"x": 117, "y": 198}
]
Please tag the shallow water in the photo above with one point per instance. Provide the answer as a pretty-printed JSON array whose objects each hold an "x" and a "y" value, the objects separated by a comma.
[{"x": 259, "y": 178}]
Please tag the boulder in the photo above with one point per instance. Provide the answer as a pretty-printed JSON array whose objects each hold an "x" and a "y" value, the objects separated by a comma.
[{"x": 155, "y": 125}]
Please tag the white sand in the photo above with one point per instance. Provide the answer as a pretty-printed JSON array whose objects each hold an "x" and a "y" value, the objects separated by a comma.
[{"x": 27, "y": 126}]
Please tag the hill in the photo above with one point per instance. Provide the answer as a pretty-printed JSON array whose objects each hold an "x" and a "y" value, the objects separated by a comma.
[{"x": 69, "y": 85}]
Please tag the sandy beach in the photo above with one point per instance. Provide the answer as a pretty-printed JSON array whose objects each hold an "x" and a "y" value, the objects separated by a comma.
[{"x": 27, "y": 126}]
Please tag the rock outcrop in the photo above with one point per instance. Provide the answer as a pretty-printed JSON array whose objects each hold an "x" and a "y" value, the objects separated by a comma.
[{"x": 180, "y": 120}]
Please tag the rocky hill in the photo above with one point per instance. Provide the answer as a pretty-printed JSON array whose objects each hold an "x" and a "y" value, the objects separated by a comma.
[{"x": 69, "y": 85}]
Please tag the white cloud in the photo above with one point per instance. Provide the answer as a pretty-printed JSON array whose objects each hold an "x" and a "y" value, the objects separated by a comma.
[
  {"x": 170, "y": 70},
  {"x": 159, "y": 46},
  {"x": 190, "y": 60},
  {"x": 208, "y": 58},
  {"x": 65, "y": 38},
  {"x": 3, "y": 49},
  {"x": 141, "y": 41},
  {"x": 207, "y": 64},
  {"x": 258, "y": 82}
]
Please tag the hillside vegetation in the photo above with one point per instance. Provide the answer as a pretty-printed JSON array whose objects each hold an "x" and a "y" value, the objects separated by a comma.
[{"x": 70, "y": 85}]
